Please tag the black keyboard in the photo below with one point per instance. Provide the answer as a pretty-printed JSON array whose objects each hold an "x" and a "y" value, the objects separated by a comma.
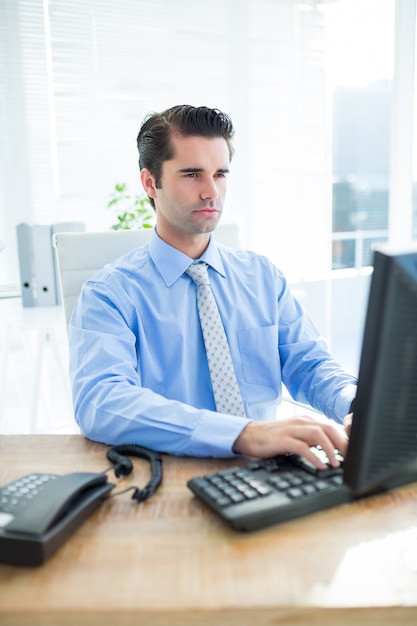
[{"x": 269, "y": 491}]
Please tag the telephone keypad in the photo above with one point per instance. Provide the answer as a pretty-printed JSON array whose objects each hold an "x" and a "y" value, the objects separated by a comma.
[{"x": 15, "y": 495}]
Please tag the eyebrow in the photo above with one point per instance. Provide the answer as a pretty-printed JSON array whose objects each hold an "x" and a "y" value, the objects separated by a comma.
[{"x": 189, "y": 170}]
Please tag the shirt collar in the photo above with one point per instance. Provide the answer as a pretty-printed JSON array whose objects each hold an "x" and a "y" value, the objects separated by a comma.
[{"x": 172, "y": 263}]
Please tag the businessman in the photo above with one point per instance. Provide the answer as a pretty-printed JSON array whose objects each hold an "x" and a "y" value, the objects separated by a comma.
[{"x": 145, "y": 334}]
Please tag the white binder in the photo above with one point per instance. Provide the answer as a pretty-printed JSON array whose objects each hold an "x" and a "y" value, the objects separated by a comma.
[
  {"x": 37, "y": 263},
  {"x": 26, "y": 266}
]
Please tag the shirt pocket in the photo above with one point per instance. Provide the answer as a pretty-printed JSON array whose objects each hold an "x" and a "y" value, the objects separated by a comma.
[{"x": 260, "y": 357}]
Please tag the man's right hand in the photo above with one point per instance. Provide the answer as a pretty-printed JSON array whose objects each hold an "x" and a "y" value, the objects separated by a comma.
[{"x": 293, "y": 435}]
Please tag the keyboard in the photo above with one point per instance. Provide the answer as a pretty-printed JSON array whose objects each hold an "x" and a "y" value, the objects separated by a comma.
[{"x": 270, "y": 491}]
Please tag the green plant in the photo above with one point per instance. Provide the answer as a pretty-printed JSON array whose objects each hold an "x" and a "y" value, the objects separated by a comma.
[{"x": 131, "y": 210}]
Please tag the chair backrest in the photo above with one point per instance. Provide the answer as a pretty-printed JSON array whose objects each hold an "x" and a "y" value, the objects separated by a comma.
[{"x": 81, "y": 254}]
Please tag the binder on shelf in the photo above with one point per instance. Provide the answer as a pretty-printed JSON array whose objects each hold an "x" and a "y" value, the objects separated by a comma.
[
  {"x": 43, "y": 264},
  {"x": 37, "y": 263},
  {"x": 25, "y": 255}
]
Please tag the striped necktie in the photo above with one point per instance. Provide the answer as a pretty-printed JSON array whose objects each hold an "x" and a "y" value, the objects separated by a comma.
[{"x": 223, "y": 378}]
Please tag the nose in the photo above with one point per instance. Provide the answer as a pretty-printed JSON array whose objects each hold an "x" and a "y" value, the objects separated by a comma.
[{"x": 209, "y": 189}]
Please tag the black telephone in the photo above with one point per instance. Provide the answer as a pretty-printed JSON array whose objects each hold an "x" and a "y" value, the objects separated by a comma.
[{"x": 39, "y": 512}]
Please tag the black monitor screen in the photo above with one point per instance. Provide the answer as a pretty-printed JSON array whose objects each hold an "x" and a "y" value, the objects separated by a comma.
[{"x": 383, "y": 442}]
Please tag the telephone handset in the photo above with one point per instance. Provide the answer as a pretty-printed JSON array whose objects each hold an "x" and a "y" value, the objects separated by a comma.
[{"x": 39, "y": 512}]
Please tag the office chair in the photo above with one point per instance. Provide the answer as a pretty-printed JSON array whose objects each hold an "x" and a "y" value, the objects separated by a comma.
[{"x": 80, "y": 255}]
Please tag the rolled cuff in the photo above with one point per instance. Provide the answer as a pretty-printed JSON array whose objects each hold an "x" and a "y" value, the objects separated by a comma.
[
  {"x": 344, "y": 401},
  {"x": 215, "y": 435}
]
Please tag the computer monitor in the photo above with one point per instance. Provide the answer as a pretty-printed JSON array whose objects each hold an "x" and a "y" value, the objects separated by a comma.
[{"x": 382, "y": 451}]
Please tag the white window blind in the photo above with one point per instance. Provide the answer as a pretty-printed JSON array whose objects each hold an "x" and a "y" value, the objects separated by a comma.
[
  {"x": 25, "y": 153},
  {"x": 78, "y": 76}
]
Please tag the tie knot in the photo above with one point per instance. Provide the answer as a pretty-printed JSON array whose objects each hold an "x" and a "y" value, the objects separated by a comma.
[{"x": 198, "y": 272}]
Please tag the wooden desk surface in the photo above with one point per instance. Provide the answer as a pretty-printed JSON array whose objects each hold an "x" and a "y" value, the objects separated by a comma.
[{"x": 171, "y": 561}]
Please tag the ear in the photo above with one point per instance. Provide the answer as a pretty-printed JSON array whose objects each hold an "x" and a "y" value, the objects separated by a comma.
[{"x": 148, "y": 182}]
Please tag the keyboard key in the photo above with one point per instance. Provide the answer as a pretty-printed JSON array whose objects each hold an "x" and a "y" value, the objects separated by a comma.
[
  {"x": 322, "y": 485},
  {"x": 237, "y": 497},
  {"x": 309, "y": 488},
  {"x": 295, "y": 492},
  {"x": 223, "y": 501}
]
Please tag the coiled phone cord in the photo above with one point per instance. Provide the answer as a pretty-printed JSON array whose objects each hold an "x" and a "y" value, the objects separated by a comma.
[{"x": 124, "y": 466}]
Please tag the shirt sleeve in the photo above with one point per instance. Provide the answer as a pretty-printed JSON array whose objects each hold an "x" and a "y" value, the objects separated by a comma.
[{"x": 110, "y": 403}]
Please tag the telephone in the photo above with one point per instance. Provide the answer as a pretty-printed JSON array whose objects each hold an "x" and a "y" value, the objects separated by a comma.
[{"x": 38, "y": 512}]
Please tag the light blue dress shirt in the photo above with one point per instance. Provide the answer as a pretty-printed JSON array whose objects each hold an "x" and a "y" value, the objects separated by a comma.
[{"x": 138, "y": 364}]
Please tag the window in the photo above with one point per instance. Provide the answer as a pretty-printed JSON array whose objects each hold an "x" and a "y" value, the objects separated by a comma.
[
  {"x": 370, "y": 162},
  {"x": 78, "y": 76}
]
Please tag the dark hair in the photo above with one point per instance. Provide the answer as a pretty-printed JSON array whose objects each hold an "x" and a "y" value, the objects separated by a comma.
[{"x": 154, "y": 138}]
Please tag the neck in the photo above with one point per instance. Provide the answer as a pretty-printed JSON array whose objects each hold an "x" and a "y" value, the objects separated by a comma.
[{"x": 193, "y": 245}]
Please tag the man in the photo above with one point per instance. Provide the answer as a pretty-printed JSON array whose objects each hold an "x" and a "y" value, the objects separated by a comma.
[{"x": 138, "y": 361}]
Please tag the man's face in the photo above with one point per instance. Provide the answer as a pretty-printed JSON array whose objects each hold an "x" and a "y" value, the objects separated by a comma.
[{"x": 192, "y": 187}]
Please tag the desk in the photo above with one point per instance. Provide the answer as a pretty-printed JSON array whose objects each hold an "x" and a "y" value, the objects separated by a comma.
[{"x": 171, "y": 561}]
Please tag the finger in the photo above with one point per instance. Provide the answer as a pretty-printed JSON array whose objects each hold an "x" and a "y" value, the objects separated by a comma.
[
  {"x": 304, "y": 450},
  {"x": 329, "y": 449},
  {"x": 336, "y": 433},
  {"x": 334, "y": 439},
  {"x": 328, "y": 436},
  {"x": 347, "y": 422}
]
